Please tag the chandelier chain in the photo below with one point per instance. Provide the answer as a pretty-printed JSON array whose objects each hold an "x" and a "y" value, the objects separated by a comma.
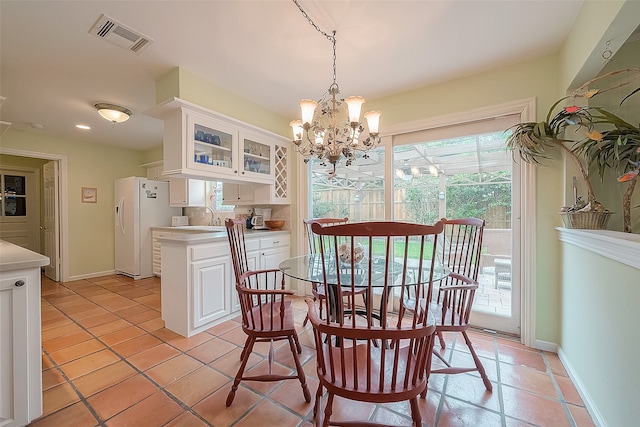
[{"x": 331, "y": 38}]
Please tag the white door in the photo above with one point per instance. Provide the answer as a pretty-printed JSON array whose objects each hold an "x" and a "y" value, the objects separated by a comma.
[
  {"x": 51, "y": 223},
  {"x": 20, "y": 207}
]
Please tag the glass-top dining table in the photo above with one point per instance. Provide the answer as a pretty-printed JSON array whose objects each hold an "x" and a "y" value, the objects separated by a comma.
[{"x": 309, "y": 268}]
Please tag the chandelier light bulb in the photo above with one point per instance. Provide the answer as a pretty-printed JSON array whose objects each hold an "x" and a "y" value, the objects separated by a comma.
[
  {"x": 308, "y": 107},
  {"x": 296, "y": 126},
  {"x": 354, "y": 103},
  {"x": 373, "y": 121}
]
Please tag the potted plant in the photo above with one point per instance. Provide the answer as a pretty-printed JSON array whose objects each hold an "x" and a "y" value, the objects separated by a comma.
[
  {"x": 617, "y": 148},
  {"x": 531, "y": 140}
]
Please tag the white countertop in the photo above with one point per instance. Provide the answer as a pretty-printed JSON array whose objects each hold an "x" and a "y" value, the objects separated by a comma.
[
  {"x": 210, "y": 237},
  {"x": 13, "y": 257}
]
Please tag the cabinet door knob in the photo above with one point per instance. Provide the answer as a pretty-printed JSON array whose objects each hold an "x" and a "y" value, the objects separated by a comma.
[{"x": 19, "y": 283}]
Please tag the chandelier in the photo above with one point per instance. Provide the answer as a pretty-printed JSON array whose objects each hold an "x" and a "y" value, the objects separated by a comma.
[{"x": 331, "y": 128}]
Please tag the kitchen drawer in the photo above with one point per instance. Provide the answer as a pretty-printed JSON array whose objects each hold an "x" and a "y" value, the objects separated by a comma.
[
  {"x": 252, "y": 244},
  {"x": 209, "y": 251},
  {"x": 274, "y": 241}
]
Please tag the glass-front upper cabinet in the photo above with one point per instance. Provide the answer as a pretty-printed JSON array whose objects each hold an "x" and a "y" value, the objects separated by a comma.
[
  {"x": 211, "y": 145},
  {"x": 257, "y": 155}
]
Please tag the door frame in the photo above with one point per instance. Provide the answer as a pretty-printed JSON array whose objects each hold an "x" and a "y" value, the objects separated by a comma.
[{"x": 63, "y": 198}]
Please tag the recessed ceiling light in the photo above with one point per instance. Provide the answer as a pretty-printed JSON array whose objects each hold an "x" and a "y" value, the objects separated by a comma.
[{"x": 83, "y": 127}]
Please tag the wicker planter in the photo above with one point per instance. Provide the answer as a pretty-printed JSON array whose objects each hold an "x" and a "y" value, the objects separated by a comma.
[{"x": 586, "y": 220}]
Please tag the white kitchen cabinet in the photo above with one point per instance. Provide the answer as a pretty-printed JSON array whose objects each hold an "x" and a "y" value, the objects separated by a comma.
[
  {"x": 200, "y": 143},
  {"x": 154, "y": 171},
  {"x": 238, "y": 194},
  {"x": 276, "y": 193},
  {"x": 211, "y": 293},
  {"x": 198, "y": 282},
  {"x": 157, "y": 253},
  {"x": 21, "y": 349},
  {"x": 186, "y": 192}
]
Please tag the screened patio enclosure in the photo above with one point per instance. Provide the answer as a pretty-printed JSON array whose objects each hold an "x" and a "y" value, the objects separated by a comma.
[{"x": 456, "y": 177}]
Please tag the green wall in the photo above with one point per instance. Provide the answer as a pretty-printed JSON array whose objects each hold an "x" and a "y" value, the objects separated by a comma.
[
  {"x": 598, "y": 332},
  {"x": 90, "y": 225}
]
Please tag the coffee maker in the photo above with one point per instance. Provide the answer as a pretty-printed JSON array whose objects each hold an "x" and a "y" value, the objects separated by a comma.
[{"x": 260, "y": 215}]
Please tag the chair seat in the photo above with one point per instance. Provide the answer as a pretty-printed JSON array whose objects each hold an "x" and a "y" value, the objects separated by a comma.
[{"x": 268, "y": 322}]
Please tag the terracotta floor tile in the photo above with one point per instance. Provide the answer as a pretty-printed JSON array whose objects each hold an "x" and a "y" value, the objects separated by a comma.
[
  {"x": 90, "y": 363},
  {"x": 121, "y": 382},
  {"x": 213, "y": 408},
  {"x": 471, "y": 389},
  {"x": 211, "y": 350},
  {"x": 77, "y": 412},
  {"x": 100, "y": 319},
  {"x": 152, "y": 324},
  {"x": 153, "y": 356},
  {"x": 122, "y": 335},
  {"x": 555, "y": 364},
  {"x": 51, "y": 378},
  {"x": 57, "y": 398},
  {"x": 289, "y": 393},
  {"x": 528, "y": 379},
  {"x": 528, "y": 358},
  {"x": 185, "y": 344},
  {"x": 187, "y": 419},
  {"x": 121, "y": 396},
  {"x": 581, "y": 416},
  {"x": 136, "y": 345},
  {"x": 65, "y": 341},
  {"x": 457, "y": 413},
  {"x": 156, "y": 410},
  {"x": 197, "y": 385},
  {"x": 109, "y": 327},
  {"x": 533, "y": 408},
  {"x": 167, "y": 372},
  {"x": 268, "y": 413},
  {"x": 569, "y": 392},
  {"x": 349, "y": 410},
  {"x": 76, "y": 351},
  {"x": 144, "y": 316},
  {"x": 60, "y": 331},
  {"x": 102, "y": 378}
]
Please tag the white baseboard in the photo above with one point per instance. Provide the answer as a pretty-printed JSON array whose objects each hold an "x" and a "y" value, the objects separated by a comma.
[
  {"x": 586, "y": 398},
  {"x": 91, "y": 275},
  {"x": 545, "y": 346}
]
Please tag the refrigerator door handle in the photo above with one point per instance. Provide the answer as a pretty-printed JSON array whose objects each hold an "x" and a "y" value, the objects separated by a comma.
[{"x": 119, "y": 214}]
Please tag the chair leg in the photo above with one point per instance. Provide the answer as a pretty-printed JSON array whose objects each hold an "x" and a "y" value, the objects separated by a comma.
[
  {"x": 298, "y": 347},
  {"x": 248, "y": 348},
  {"x": 478, "y": 363},
  {"x": 316, "y": 406},
  {"x": 301, "y": 375},
  {"x": 443, "y": 344},
  {"x": 415, "y": 412},
  {"x": 328, "y": 409}
]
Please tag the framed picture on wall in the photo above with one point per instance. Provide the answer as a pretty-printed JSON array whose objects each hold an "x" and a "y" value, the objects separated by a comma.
[{"x": 89, "y": 195}]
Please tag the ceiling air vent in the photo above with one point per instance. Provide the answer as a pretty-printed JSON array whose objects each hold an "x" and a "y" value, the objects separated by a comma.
[{"x": 112, "y": 31}]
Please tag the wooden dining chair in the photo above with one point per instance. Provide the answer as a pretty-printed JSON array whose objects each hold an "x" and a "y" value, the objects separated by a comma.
[
  {"x": 267, "y": 315},
  {"x": 363, "y": 359},
  {"x": 317, "y": 289},
  {"x": 452, "y": 305}
]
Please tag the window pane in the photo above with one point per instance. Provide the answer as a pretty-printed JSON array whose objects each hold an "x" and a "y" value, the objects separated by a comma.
[{"x": 355, "y": 191}]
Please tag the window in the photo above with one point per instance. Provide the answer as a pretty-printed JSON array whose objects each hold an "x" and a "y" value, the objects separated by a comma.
[
  {"x": 213, "y": 196},
  {"x": 13, "y": 196}
]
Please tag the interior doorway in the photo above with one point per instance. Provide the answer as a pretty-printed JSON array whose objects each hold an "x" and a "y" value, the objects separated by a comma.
[{"x": 59, "y": 269}]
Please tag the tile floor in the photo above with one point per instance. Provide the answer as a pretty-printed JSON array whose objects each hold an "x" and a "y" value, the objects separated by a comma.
[{"x": 108, "y": 361}]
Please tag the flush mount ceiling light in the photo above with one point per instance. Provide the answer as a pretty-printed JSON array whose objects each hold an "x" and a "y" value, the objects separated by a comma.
[
  {"x": 113, "y": 113},
  {"x": 333, "y": 129}
]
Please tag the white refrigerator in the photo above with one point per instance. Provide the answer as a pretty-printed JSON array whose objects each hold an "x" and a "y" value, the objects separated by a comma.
[{"x": 140, "y": 204}]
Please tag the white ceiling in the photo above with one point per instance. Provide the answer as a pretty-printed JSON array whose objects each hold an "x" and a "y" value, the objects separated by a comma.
[{"x": 53, "y": 71}]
